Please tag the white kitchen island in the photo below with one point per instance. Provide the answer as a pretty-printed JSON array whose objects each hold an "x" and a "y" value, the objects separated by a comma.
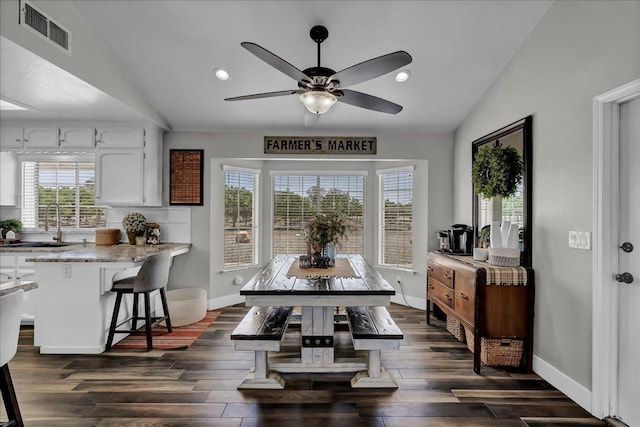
[{"x": 74, "y": 303}]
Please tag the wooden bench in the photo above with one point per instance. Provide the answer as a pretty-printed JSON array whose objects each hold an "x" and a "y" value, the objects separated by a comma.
[
  {"x": 373, "y": 329},
  {"x": 261, "y": 331}
]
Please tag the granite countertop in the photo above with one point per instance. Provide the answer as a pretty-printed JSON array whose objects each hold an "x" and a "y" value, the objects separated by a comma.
[
  {"x": 98, "y": 253},
  {"x": 14, "y": 285}
]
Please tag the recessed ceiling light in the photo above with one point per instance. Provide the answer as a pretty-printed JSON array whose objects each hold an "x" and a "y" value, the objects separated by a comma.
[
  {"x": 403, "y": 76},
  {"x": 6, "y": 105},
  {"x": 220, "y": 73}
]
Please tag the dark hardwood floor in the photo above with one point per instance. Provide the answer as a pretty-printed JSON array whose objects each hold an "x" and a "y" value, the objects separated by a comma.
[{"x": 197, "y": 387}]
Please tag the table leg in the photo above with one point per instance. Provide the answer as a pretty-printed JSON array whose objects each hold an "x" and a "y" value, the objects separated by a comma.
[{"x": 317, "y": 322}]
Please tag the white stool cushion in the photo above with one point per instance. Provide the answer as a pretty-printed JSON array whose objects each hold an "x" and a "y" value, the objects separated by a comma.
[{"x": 10, "y": 315}]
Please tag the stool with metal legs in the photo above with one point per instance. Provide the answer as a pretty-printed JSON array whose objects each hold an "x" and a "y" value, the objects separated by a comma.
[{"x": 153, "y": 275}]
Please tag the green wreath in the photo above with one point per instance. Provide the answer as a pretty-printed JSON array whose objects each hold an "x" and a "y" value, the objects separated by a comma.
[{"x": 497, "y": 171}]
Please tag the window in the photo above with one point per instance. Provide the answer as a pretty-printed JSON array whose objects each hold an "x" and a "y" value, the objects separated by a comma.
[
  {"x": 396, "y": 217},
  {"x": 69, "y": 184},
  {"x": 296, "y": 198},
  {"x": 240, "y": 218}
]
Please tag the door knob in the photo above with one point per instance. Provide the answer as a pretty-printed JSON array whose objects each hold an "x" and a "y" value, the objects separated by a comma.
[
  {"x": 624, "y": 278},
  {"x": 626, "y": 246}
]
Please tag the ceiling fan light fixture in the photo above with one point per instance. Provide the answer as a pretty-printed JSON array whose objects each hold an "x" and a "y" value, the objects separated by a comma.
[{"x": 318, "y": 101}]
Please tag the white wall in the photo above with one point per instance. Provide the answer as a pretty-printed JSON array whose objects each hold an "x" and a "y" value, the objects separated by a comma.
[
  {"x": 578, "y": 50},
  {"x": 431, "y": 154}
]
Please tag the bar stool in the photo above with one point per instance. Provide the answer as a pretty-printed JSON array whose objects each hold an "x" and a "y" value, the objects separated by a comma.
[
  {"x": 154, "y": 274},
  {"x": 10, "y": 314}
]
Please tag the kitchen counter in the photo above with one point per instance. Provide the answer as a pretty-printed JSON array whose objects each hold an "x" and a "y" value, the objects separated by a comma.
[
  {"x": 14, "y": 285},
  {"x": 99, "y": 253}
]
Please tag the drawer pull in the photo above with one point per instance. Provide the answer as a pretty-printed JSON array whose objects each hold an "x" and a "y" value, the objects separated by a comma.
[
  {"x": 446, "y": 276},
  {"x": 430, "y": 286},
  {"x": 447, "y": 296},
  {"x": 463, "y": 296},
  {"x": 429, "y": 268}
]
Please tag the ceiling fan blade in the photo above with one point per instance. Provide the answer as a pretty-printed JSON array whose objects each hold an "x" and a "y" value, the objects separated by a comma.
[
  {"x": 275, "y": 61},
  {"x": 372, "y": 68},
  {"x": 369, "y": 102},
  {"x": 263, "y": 95}
]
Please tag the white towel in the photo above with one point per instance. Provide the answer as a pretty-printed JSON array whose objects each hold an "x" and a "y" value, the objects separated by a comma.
[
  {"x": 513, "y": 236},
  {"x": 495, "y": 235}
]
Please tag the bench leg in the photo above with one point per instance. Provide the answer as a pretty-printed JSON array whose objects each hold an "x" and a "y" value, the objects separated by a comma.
[
  {"x": 261, "y": 377},
  {"x": 375, "y": 376}
]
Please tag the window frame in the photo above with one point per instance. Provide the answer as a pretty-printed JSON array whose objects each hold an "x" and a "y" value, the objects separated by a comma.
[
  {"x": 255, "y": 218},
  {"x": 61, "y": 158},
  {"x": 380, "y": 261}
]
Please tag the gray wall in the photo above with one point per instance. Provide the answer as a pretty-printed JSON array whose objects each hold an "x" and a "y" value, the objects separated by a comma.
[
  {"x": 432, "y": 156},
  {"x": 578, "y": 51}
]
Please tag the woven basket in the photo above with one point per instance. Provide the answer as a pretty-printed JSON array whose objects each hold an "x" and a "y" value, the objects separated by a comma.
[
  {"x": 497, "y": 351},
  {"x": 503, "y": 261},
  {"x": 455, "y": 328}
]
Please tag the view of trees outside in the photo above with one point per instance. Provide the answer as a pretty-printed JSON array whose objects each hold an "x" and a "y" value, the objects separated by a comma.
[
  {"x": 71, "y": 185},
  {"x": 296, "y": 199}
]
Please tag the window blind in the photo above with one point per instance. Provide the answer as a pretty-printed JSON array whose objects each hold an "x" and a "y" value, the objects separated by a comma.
[
  {"x": 296, "y": 198},
  {"x": 240, "y": 218},
  {"x": 69, "y": 184},
  {"x": 396, "y": 218}
]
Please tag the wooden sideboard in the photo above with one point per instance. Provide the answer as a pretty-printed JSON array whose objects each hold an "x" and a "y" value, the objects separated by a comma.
[{"x": 458, "y": 286}]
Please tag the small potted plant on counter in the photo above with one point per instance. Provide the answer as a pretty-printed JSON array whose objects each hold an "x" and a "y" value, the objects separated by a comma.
[
  {"x": 11, "y": 226},
  {"x": 135, "y": 225}
]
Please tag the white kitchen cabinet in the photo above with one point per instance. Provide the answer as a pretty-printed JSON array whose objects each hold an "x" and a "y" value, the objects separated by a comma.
[
  {"x": 120, "y": 137},
  {"x": 41, "y": 137},
  {"x": 9, "y": 178},
  {"x": 11, "y": 137},
  {"x": 77, "y": 137},
  {"x": 130, "y": 177},
  {"x": 120, "y": 178},
  {"x": 16, "y": 267}
]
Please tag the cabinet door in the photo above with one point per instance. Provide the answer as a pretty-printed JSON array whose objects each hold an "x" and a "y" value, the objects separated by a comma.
[
  {"x": 9, "y": 178},
  {"x": 8, "y": 267},
  {"x": 120, "y": 178},
  {"x": 10, "y": 137},
  {"x": 76, "y": 137},
  {"x": 120, "y": 137},
  {"x": 41, "y": 137}
]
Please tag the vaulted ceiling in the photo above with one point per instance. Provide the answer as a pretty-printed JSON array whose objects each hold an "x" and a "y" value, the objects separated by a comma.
[{"x": 170, "y": 48}]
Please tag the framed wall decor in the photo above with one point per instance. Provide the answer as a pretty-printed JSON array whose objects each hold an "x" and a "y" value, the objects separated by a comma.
[{"x": 186, "y": 178}]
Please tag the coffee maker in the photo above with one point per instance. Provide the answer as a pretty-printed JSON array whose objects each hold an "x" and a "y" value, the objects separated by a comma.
[{"x": 460, "y": 239}]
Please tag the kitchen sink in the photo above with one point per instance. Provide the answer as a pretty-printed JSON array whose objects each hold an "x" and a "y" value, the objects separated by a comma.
[{"x": 36, "y": 245}]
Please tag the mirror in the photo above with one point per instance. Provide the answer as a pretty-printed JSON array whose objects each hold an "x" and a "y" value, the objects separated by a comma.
[{"x": 516, "y": 208}]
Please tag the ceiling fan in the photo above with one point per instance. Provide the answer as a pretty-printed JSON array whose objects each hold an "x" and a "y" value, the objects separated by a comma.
[{"x": 320, "y": 87}]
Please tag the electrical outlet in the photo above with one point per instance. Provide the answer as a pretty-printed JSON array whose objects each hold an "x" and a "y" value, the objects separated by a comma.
[
  {"x": 580, "y": 239},
  {"x": 66, "y": 271}
]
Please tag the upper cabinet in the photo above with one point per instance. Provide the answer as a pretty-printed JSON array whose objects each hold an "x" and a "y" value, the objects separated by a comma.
[
  {"x": 11, "y": 137},
  {"x": 41, "y": 137},
  {"x": 77, "y": 137},
  {"x": 108, "y": 138}
]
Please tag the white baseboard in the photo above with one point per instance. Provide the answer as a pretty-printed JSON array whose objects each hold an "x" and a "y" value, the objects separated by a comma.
[
  {"x": 414, "y": 302},
  {"x": 225, "y": 301},
  {"x": 49, "y": 349},
  {"x": 576, "y": 392}
]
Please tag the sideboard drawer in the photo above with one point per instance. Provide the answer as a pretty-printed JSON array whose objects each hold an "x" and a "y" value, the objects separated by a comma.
[
  {"x": 441, "y": 273},
  {"x": 439, "y": 291},
  {"x": 465, "y": 299}
]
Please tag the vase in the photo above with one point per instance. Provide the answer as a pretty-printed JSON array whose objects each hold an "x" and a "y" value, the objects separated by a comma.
[
  {"x": 140, "y": 240},
  {"x": 330, "y": 252},
  {"x": 132, "y": 237}
]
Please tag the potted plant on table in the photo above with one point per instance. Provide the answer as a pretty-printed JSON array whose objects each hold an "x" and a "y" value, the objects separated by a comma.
[
  {"x": 11, "y": 224},
  {"x": 135, "y": 225},
  {"x": 324, "y": 231}
]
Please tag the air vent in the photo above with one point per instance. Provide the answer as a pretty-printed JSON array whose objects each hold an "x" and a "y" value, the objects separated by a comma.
[{"x": 37, "y": 21}]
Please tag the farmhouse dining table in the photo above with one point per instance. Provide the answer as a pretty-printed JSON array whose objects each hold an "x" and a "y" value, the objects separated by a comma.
[{"x": 352, "y": 282}]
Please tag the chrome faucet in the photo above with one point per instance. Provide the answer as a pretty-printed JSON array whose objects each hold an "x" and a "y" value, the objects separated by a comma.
[{"x": 58, "y": 237}]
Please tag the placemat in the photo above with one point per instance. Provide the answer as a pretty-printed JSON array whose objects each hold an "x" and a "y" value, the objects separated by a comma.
[
  {"x": 341, "y": 269},
  {"x": 497, "y": 275}
]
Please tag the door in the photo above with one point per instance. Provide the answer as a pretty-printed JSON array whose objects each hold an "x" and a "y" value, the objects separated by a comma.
[
  {"x": 77, "y": 137},
  {"x": 120, "y": 178},
  {"x": 46, "y": 137},
  {"x": 629, "y": 262}
]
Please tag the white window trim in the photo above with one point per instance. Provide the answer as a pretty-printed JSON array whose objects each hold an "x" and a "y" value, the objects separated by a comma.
[{"x": 318, "y": 173}]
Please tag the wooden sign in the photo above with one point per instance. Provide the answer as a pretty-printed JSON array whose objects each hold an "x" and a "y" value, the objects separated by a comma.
[
  {"x": 186, "y": 177},
  {"x": 320, "y": 144}
]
